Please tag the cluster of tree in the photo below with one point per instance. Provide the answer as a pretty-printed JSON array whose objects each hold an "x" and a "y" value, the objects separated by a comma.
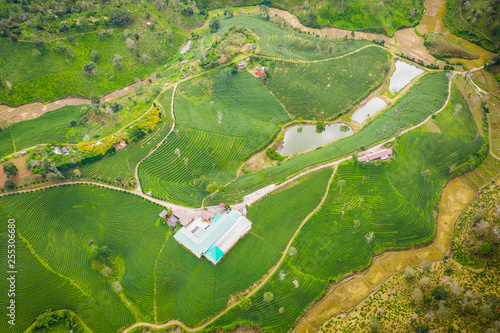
[
  {"x": 272, "y": 154},
  {"x": 47, "y": 320}
]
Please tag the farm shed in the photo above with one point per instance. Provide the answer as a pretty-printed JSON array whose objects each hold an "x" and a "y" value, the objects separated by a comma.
[
  {"x": 217, "y": 239},
  {"x": 163, "y": 214},
  {"x": 184, "y": 218},
  {"x": 382, "y": 154},
  {"x": 206, "y": 215}
]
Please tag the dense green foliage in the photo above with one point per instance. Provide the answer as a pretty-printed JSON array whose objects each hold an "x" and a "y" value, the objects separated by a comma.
[
  {"x": 71, "y": 221},
  {"x": 426, "y": 97},
  {"x": 398, "y": 207},
  {"x": 328, "y": 88},
  {"x": 444, "y": 47},
  {"x": 56, "y": 70},
  {"x": 278, "y": 42},
  {"x": 221, "y": 120},
  {"x": 476, "y": 21}
]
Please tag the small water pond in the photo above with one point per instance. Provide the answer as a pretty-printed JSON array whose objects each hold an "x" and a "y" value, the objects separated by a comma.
[
  {"x": 368, "y": 110},
  {"x": 403, "y": 75},
  {"x": 186, "y": 47},
  {"x": 300, "y": 138}
]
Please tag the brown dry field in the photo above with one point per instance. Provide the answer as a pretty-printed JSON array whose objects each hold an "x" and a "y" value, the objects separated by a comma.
[{"x": 20, "y": 162}]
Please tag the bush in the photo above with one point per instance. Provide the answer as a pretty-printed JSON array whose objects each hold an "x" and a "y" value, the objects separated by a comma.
[{"x": 9, "y": 184}]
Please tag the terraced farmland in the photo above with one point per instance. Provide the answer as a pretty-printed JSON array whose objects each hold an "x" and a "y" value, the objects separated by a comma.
[
  {"x": 426, "y": 97},
  {"x": 398, "y": 207},
  {"x": 60, "y": 224},
  {"x": 122, "y": 163},
  {"x": 281, "y": 43},
  {"x": 326, "y": 88},
  {"x": 207, "y": 151}
]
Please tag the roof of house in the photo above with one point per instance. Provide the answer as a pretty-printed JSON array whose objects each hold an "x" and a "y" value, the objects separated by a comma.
[
  {"x": 259, "y": 74},
  {"x": 172, "y": 221},
  {"x": 163, "y": 213},
  {"x": 184, "y": 218},
  {"x": 206, "y": 215},
  {"x": 375, "y": 155},
  {"x": 214, "y": 254},
  {"x": 199, "y": 242}
]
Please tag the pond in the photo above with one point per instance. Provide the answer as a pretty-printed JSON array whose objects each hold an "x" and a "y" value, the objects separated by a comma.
[
  {"x": 186, "y": 47},
  {"x": 403, "y": 75},
  {"x": 369, "y": 109},
  {"x": 300, "y": 138}
]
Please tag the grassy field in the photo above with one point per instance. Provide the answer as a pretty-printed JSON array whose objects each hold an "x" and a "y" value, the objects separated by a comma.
[
  {"x": 474, "y": 21},
  {"x": 278, "y": 42},
  {"x": 441, "y": 46},
  {"x": 58, "y": 71},
  {"x": 357, "y": 15},
  {"x": 122, "y": 163},
  {"x": 189, "y": 289},
  {"x": 208, "y": 151},
  {"x": 398, "y": 207},
  {"x": 426, "y": 97},
  {"x": 307, "y": 92},
  {"x": 51, "y": 126}
]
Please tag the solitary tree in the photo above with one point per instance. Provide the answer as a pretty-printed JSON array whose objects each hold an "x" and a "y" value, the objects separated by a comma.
[
  {"x": 443, "y": 312},
  {"x": 212, "y": 187},
  {"x": 427, "y": 265},
  {"x": 292, "y": 252},
  {"x": 27, "y": 180},
  {"x": 369, "y": 237},
  {"x": 282, "y": 275},
  {"x": 296, "y": 283},
  {"x": 36, "y": 53},
  {"x": 360, "y": 201},
  {"x": 268, "y": 296},
  {"x": 418, "y": 297},
  {"x": 119, "y": 180},
  {"x": 73, "y": 122},
  {"x": 357, "y": 224},
  {"x": 104, "y": 252},
  {"x": 425, "y": 173},
  {"x": 409, "y": 273},
  {"x": 341, "y": 183},
  {"x": 219, "y": 118},
  {"x": 9, "y": 184},
  {"x": 185, "y": 159},
  {"x": 88, "y": 67},
  {"x": 95, "y": 55},
  {"x": 117, "y": 61},
  {"x": 177, "y": 152},
  {"x": 376, "y": 325},
  {"x": 458, "y": 107},
  {"x": 10, "y": 169}
]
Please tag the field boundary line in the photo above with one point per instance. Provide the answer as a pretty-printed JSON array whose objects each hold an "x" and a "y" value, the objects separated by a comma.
[
  {"x": 258, "y": 285},
  {"x": 154, "y": 274},
  {"x": 489, "y": 137}
]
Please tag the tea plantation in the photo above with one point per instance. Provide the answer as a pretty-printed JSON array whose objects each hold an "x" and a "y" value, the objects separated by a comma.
[
  {"x": 398, "y": 202},
  {"x": 206, "y": 151}
]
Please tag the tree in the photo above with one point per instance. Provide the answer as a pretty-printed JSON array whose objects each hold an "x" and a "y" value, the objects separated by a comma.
[
  {"x": 320, "y": 126},
  {"x": 409, "y": 273},
  {"x": 245, "y": 303},
  {"x": 27, "y": 180},
  {"x": 282, "y": 276},
  {"x": 148, "y": 15},
  {"x": 9, "y": 184},
  {"x": 36, "y": 53},
  {"x": 486, "y": 311},
  {"x": 130, "y": 43},
  {"x": 300, "y": 120},
  {"x": 369, "y": 237},
  {"x": 104, "y": 252},
  {"x": 458, "y": 107},
  {"x": 357, "y": 224},
  {"x": 117, "y": 61},
  {"x": 341, "y": 183},
  {"x": 120, "y": 16},
  {"x": 443, "y": 312},
  {"x": 95, "y": 55},
  {"x": 268, "y": 297},
  {"x": 119, "y": 180},
  {"x": 51, "y": 177},
  {"x": 219, "y": 118},
  {"x": 212, "y": 187},
  {"x": 177, "y": 152},
  {"x": 423, "y": 328},
  {"x": 214, "y": 25},
  {"x": 425, "y": 173},
  {"x": 439, "y": 293},
  {"x": 292, "y": 252},
  {"x": 84, "y": 23},
  {"x": 14, "y": 38},
  {"x": 88, "y": 67},
  {"x": 295, "y": 283},
  {"x": 73, "y": 123},
  {"x": 10, "y": 169},
  {"x": 418, "y": 297},
  {"x": 427, "y": 265},
  {"x": 185, "y": 159},
  {"x": 413, "y": 10},
  {"x": 485, "y": 248},
  {"x": 375, "y": 325}
]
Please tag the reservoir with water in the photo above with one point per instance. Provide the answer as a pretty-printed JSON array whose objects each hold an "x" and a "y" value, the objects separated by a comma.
[
  {"x": 369, "y": 109},
  {"x": 403, "y": 75},
  {"x": 300, "y": 138}
]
